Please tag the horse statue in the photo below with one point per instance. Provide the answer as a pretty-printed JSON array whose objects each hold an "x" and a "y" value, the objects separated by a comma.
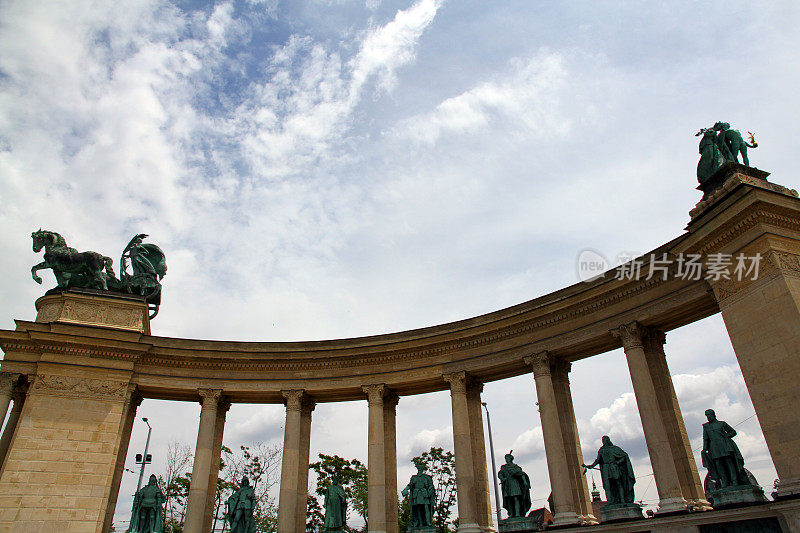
[
  {"x": 73, "y": 269},
  {"x": 91, "y": 270}
]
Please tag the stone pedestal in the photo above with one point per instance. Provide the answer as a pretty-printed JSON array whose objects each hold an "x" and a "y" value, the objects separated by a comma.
[
  {"x": 86, "y": 307},
  {"x": 620, "y": 511},
  {"x": 519, "y": 524},
  {"x": 737, "y": 495},
  {"x": 427, "y": 529}
]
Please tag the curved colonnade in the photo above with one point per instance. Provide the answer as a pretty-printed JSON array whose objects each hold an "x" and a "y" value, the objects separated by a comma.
[{"x": 76, "y": 375}]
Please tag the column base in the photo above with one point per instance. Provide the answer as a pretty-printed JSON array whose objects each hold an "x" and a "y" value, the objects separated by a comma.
[
  {"x": 699, "y": 505},
  {"x": 589, "y": 520},
  {"x": 469, "y": 528},
  {"x": 672, "y": 505},
  {"x": 788, "y": 487},
  {"x": 566, "y": 519}
]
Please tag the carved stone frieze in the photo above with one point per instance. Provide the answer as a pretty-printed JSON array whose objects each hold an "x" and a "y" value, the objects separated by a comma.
[
  {"x": 92, "y": 311},
  {"x": 80, "y": 387}
]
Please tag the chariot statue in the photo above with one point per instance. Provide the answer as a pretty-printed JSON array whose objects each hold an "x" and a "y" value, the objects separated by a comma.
[{"x": 143, "y": 265}]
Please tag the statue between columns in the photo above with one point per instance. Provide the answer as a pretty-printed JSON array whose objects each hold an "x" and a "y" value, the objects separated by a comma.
[
  {"x": 618, "y": 480},
  {"x": 148, "y": 515},
  {"x": 421, "y": 499},
  {"x": 516, "y": 488},
  {"x": 727, "y": 475},
  {"x": 239, "y": 508},
  {"x": 335, "y": 506}
]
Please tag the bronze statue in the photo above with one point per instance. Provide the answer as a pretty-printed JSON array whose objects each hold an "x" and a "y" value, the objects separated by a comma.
[
  {"x": 91, "y": 270},
  {"x": 720, "y": 454},
  {"x": 516, "y": 488},
  {"x": 421, "y": 497},
  {"x": 732, "y": 144},
  {"x": 335, "y": 506},
  {"x": 719, "y": 144},
  {"x": 148, "y": 513},
  {"x": 240, "y": 507},
  {"x": 616, "y": 471}
]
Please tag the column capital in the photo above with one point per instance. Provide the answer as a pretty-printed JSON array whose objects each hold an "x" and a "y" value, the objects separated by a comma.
[
  {"x": 375, "y": 392},
  {"x": 133, "y": 397},
  {"x": 307, "y": 405},
  {"x": 560, "y": 369},
  {"x": 209, "y": 396},
  {"x": 630, "y": 334},
  {"x": 653, "y": 340},
  {"x": 540, "y": 362},
  {"x": 223, "y": 406},
  {"x": 474, "y": 387},
  {"x": 457, "y": 381},
  {"x": 293, "y": 399},
  {"x": 391, "y": 398},
  {"x": 7, "y": 382}
]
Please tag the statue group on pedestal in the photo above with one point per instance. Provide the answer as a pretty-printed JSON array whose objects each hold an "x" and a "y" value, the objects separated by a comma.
[
  {"x": 91, "y": 270},
  {"x": 719, "y": 144}
]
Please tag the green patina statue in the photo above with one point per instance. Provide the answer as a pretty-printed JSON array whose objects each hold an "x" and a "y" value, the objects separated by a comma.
[
  {"x": 616, "y": 471},
  {"x": 239, "y": 508},
  {"x": 516, "y": 488},
  {"x": 720, "y": 144},
  {"x": 421, "y": 497},
  {"x": 720, "y": 454},
  {"x": 148, "y": 513},
  {"x": 335, "y": 506},
  {"x": 91, "y": 270}
]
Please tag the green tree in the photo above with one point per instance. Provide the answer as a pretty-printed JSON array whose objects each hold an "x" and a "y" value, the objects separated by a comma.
[
  {"x": 441, "y": 466},
  {"x": 314, "y": 515},
  {"x": 403, "y": 515},
  {"x": 261, "y": 465},
  {"x": 353, "y": 478}
]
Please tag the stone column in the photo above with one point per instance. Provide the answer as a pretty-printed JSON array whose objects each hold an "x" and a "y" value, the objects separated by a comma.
[
  {"x": 132, "y": 401},
  {"x": 462, "y": 444},
  {"x": 482, "y": 498},
  {"x": 287, "y": 503},
  {"x": 7, "y": 382},
  {"x": 582, "y": 503},
  {"x": 213, "y": 471},
  {"x": 555, "y": 450},
  {"x": 8, "y": 433},
  {"x": 376, "y": 457},
  {"x": 390, "y": 401},
  {"x": 203, "y": 462},
  {"x": 306, "y": 408},
  {"x": 682, "y": 456},
  {"x": 655, "y": 434},
  {"x": 762, "y": 317}
]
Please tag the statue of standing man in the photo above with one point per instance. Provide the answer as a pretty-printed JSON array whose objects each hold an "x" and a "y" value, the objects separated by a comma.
[
  {"x": 616, "y": 471},
  {"x": 516, "y": 488},
  {"x": 335, "y": 506},
  {"x": 421, "y": 498},
  {"x": 720, "y": 454},
  {"x": 240, "y": 507},
  {"x": 148, "y": 513}
]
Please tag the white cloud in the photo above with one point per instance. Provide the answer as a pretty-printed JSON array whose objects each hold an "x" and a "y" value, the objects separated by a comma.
[{"x": 527, "y": 98}]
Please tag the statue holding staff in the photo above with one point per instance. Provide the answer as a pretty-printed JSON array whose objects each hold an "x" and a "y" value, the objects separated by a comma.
[
  {"x": 421, "y": 497},
  {"x": 240, "y": 507},
  {"x": 616, "y": 471},
  {"x": 335, "y": 506}
]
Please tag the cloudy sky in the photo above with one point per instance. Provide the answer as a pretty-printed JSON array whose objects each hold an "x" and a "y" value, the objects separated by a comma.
[{"x": 333, "y": 168}]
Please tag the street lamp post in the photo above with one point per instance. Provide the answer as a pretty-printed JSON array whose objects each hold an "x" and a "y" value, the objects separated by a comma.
[
  {"x": 144, "y": 457},
  {"x": 494, "y": 466}
]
